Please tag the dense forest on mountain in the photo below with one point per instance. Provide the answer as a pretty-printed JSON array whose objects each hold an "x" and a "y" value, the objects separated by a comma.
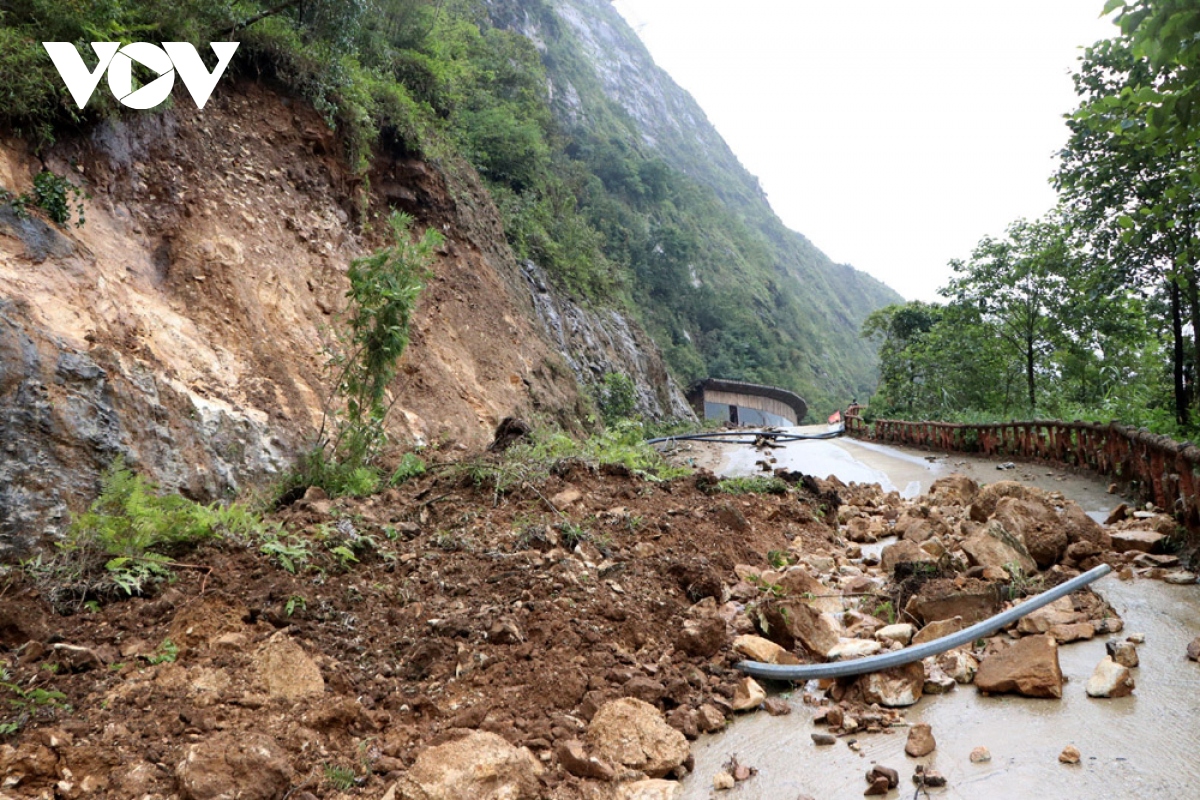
[
  {"x": 669, "y": 227},
  {"x": 1094, "y": 311}
]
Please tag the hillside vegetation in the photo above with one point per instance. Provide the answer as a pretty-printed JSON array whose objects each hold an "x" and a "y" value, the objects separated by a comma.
[{"x": 646, "y": 212}]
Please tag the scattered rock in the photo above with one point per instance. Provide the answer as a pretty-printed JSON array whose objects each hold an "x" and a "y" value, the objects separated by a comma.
[
  {"x": 878, "y": 788},
  {"x": 980, "y": 755},
  {"x": 901, "y": 632},
  {"x": 723, "y": 781},
  {"x": 894, "y": 688},
  {"x": 575, "y": 760},
  {"x": 76, "y": 658},
  {"x": 709, "y": 718},
  {"x": 777, "y": 707},
  {"x": 824, "y": 739},
  {"x": 1180, "y": 578},
  {"x": 816, "y": 631},
  {"x": 1078, "y": 631},
  {"x": 936, "y": 630},
  {"x": 903, "y": 552},
  {"x": 887, "y": 773},
  {"x": 1193, "y": 649},
  {"x": 1141, "y": 541},
  {"x": 929, "y": 778},
  {"x": 757, "y": 648},
  {"x": 936, "y": 680},
  {"x": 920, "y": 740},
  {"x": 1060, "y": 612},
  {"x": 1110, "y": 680},
  {"x": 959, "y": 664},
  {"x": 633, "y": 733},
  {"x": 228, "y": 765},
  {"x": 1069, "y": 755},
  {"x": 1029, "y": 667},
  {"x": 649, "y": 790},
  {"x": 849, "y": 649},
  {"x": 702, "y": 637},
  {"x": 1124, "y": 653},
  {"x": 479, "y": 764},
  {"x": 748, "y": 695}
]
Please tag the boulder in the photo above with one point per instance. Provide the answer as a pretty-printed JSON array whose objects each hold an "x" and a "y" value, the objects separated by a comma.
[
  {"x": 286, "y": 670},
  {"x": 1029, "y": 667},
  {"x": 985, "y": 502},
  {"x": 757, "y": 648},
  {"x": 798, "y": 581},
  {"x": 246, "y": 766},
  {"x": 1140, "y": 541},
  {"x": 1081, "y": 528},
  {"x": 1078, "y": 631},
  {"x": 902, "y": 552},
  {"x": 894, "y": 688},
  {"x": 955, "y": 490},
  {"x": 1193, "y": 649},
  {"x": 973, "y": 600},
  {"x": 702, "y": 637},
  {"x": 920, "y": 740},
  {"x": 936, "y": 679},
  {"x": 901, "y": 632},
  {"x": 994, "y": 546},
  {"x": 938, "y": 629},
  {"x": 1036, "y": 524},
  {"x": 632, "y": 733},
  {"x": 748, "y": 695},
  {"x": 1060, "y": 612},
  {"x": 709, "y": 718},
  {"x": 478, "y": 765},
  {"x": 817, "y": 632},
  {"x": 1110, "y": 680}
]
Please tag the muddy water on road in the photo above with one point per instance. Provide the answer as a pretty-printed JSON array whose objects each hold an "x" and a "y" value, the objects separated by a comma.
[{"x": 1144, "y": 746}]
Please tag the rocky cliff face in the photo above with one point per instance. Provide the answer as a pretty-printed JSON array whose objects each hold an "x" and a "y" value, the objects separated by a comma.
[{"x": 599, "y": 342}]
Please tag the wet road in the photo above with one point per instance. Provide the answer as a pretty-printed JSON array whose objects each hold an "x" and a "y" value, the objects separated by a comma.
[{"x": 1143, "y": 746}]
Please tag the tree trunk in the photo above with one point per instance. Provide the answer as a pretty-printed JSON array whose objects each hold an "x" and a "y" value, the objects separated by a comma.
[
  {"x": 1029, "y": 373},
  {"x": 1193, "y": 297},
  {"x": 1181, "y": 398}
]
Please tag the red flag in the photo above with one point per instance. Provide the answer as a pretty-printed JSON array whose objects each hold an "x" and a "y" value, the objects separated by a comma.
[{"x": 835, "y": 418}]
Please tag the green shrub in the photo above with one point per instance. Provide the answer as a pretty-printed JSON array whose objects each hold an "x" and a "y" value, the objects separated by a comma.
[
  {"x": 755, "y": 484},
  {"x": 411, "y": 466},
  {"x": 617, "y": 398}
]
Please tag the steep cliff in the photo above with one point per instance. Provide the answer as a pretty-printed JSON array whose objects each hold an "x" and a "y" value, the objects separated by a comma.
[{"x": 606, "y": 90}]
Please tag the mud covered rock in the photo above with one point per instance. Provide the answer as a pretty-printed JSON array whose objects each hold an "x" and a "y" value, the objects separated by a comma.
[
  {"x": 1029, "y": 667},
  {"x": 904, "y": 551},
  {"x": 481, "y": 765},
  {"x": 1141, "y": 541},
  {"x": 288, "y": 671},
  {"x": 957, "y": 490},
  {"x": 748, "y": 695},
  {"x": 920, "y": 740},
  {"x": 985, "y": 502},
  {"x": 757, "y": 648},
  {"x": 634, "y": 734},
  {"x": 234, "y": 766},
  {"x": 793, "y": 620}
]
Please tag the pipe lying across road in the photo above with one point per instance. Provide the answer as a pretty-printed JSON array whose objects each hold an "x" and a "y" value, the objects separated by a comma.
[
  {"x": 898, "y": 658},
  {"x": 748, "y": 437}
]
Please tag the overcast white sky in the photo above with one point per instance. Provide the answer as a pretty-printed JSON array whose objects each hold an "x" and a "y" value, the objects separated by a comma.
[{"x": 893, "y": 135}]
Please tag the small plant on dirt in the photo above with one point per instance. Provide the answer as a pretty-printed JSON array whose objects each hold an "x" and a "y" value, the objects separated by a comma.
[
  {"x": 571, "y": 535},
  {"x": 1021, "y": 584},
  {"x": 755, "y": 484},
  {"x": 53, "y": 194},
  {"x": 127, "y": 540},
  {"x": 780, "y": 559},
  {"x": 773, "y": 589},
  {"x": 411, "y": 466},
  {"x": 885, "y": 610},
  {"x": 342, "y": 779},
  {"x": 166, "y": 653},
  {"x": 27, "y": 704},
  {"x": 295, "y": 603},
  {"x": 288, "y": 550}
]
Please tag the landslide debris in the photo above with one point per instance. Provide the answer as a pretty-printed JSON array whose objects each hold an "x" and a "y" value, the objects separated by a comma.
[{"x": 480, "y": 635}]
